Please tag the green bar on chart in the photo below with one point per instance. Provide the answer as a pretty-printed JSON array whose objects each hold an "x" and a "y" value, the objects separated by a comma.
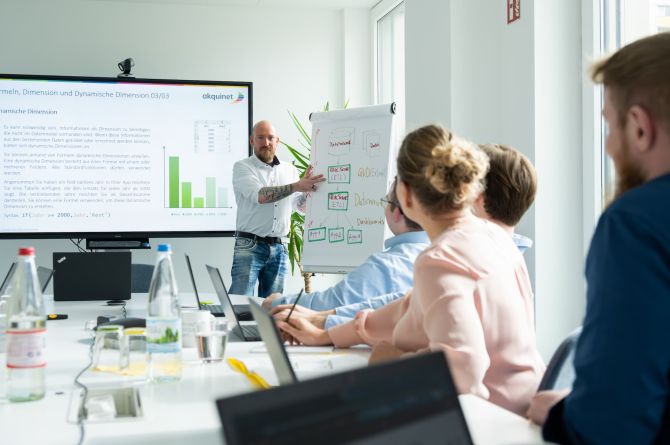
[
  {"x": 173, "y": 189},
  {"x": 186, "y": 195},
  {"x": 210, "y": 192},
  {"x": 199, "y": 203},
  {"x": 222, "y": 197}
]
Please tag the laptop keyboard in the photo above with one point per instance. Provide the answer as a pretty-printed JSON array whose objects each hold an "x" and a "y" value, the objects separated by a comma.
[
  {"x": 214, "y": 308},
  {"x": 250, "y": 331}
]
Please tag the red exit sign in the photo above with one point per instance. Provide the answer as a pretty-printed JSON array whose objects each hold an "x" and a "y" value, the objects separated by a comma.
[{"x": 513, "y": 10}]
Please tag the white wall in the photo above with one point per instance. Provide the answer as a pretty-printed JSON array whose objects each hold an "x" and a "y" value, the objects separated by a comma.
[
  {"x": 295, "y": 57},
  {"x": 357, "y": 58},
  {"x": 517, "y": 84},
  {"x": 558, "y": 156},
  {"x": 427, "y": 63}
]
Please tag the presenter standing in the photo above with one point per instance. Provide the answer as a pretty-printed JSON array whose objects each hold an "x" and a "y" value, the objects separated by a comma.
[{"x": 266, "y": 193}]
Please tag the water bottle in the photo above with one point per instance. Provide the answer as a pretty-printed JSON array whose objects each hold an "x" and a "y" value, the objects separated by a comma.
[
  {"x": 163, "y": 322},
  {"x": 26, "y": 332}
]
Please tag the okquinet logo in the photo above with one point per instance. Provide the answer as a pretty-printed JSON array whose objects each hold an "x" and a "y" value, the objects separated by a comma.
[{"x": 227, "y": 97}]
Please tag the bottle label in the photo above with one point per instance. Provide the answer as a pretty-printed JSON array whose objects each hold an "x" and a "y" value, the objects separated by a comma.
[
  {"x": 163, "y": 335},
  {"x": 26, "y": 349}
]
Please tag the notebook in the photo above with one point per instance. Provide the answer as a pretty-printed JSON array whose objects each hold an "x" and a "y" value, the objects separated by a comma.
[
  {"x": 246, "y": 332},
  {"x": 408, "y": 401},
  {"x": 85, "y": 276},
  {"x": 242, "y": 310},
  {"x": 274, "y": 344}
]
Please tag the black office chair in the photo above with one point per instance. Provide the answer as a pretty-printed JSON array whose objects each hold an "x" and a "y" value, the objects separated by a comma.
[
  {"x": 560, "y": 373},
  {"x": 140, "y": 277}
]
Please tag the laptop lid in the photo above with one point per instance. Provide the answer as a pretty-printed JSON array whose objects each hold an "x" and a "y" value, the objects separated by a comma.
[
  {"x": 86, "y": 276},
  {"x": 190, "y": 274},
  {"x": 224, "y": 298},
  {"x": 8, "y": 278},
  {"x": 407, "y": 401},
  {"x": 44, "y": 274},
  {"x": 274, "y": 344}
]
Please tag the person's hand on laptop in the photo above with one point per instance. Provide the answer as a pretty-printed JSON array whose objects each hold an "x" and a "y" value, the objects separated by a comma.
[
  {"x": 317, "y": 318},
  {"x": 267, "y": 302},
  {"x": 305, "y": 332}
]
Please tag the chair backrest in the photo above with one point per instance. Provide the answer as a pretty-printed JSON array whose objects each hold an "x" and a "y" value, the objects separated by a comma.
[
  {"x": 140, "y": 277},
  {"x": 560, "y": 373}
]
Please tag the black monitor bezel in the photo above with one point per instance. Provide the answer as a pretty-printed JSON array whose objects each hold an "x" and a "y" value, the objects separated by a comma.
[{"x": 129, "y": 235}]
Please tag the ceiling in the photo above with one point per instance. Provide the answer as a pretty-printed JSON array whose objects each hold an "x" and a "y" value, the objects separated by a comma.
[{"x": 316, "y": 4}]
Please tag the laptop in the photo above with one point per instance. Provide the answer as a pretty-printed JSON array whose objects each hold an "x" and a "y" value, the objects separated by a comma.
[
  {"x": 274, "y": 344},
  {"x": 242, "y": 310},
  {"x": 8, "y": 279},
  {"x": 87, "y": 276},
  {"x": 44, "y": 275},
  {"x": 245, "y": 332},
  {"x": 408, "y": 401}
]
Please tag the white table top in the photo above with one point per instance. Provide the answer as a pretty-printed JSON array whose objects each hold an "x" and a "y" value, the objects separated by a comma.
[{"x": 185, "y": 411}]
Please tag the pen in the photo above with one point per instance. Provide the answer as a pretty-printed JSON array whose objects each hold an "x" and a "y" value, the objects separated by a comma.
[{"x": 293, "y": 307}]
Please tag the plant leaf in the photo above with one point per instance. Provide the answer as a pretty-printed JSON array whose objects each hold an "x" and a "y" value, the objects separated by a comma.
[
  {"x": 300, "y": 128},
  {"x": 301, "y": 158}
]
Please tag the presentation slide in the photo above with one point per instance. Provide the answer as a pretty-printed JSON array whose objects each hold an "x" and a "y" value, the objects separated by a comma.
[{"x": 91, "y": 156}]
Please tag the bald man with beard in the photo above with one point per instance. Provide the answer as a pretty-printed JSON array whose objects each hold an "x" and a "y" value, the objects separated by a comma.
[{"x": 266, "y": 192}]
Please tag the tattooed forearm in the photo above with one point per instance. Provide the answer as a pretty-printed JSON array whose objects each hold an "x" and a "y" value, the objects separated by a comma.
[
  {"x": 301, "y": 201},
  {"x": 274, "y": 194}
]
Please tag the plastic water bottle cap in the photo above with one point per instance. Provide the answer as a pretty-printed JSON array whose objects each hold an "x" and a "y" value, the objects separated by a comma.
[
  {"x": 27, "y": 251},
  {"x": 164, "y": 248}
]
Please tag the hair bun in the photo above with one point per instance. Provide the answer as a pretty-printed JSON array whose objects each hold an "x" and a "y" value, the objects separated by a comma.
[{"x": 454, "y": 167}]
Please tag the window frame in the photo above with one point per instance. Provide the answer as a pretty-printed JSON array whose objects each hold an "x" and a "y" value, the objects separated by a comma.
[
  {"x": 592, "y": 129},
  {"x": 379, "y": 11}
]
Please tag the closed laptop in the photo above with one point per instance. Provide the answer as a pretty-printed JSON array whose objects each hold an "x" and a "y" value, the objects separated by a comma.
[{"x": 82, "y": 276}]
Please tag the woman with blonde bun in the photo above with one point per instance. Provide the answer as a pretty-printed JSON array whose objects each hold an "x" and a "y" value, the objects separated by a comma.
[{"x": 472, "y": 297}]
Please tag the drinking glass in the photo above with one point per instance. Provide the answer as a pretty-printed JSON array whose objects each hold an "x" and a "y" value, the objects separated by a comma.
[
  {"x": 107, "y": 348},
  {"x": 210, "y": 339},
  {"x": 134, "y": 351}
]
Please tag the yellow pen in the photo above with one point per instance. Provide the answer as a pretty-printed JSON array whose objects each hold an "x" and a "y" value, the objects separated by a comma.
[{"x": 253, "y": 377}]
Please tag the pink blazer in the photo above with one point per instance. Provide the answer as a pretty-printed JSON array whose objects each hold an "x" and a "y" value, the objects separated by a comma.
[{"x": 472, "y": 299}]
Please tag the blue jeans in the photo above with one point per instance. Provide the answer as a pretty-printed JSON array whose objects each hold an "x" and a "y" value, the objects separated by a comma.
[{"x": 253, "y": 261}]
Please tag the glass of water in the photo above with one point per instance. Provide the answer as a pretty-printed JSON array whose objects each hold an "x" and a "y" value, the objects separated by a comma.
[
  {"x": 210, "y": 339},
  {"x": 134, "y": 351},
  {"x": 107, "y": 348}
]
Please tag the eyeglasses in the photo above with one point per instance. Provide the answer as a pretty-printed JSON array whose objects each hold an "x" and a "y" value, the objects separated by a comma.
[{"x": 385, "y": 200}]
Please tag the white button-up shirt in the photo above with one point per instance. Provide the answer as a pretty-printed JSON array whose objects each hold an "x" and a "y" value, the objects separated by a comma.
[{"x": 271, "y": 219}]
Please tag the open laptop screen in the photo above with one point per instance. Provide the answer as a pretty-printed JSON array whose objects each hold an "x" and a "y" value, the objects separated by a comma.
[
  {"x": 8, "y": 278},
  {"x": 43, "y": 275},
  {"x": 274, "y": 344},
  {"x": 408, "y": 401}
]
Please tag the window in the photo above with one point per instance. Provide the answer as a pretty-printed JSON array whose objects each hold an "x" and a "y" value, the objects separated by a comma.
[
  {"x": 390, "y": 56},
  {"x": 621, "y": 22}
]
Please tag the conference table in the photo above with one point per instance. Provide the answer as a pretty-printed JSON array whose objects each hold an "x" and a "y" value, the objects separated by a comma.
[{"x": 183, "y": 412}]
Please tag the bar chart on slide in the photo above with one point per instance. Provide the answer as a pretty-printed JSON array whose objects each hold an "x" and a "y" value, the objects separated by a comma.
[{"x": 192, "y": 183}]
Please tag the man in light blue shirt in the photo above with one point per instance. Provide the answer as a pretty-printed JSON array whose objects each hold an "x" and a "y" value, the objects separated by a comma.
[
  {"x": 511, "y": 183},
  {"x": 387, "y": 272}
]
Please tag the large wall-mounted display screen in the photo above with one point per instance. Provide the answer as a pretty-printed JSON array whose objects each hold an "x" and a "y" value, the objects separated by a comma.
[{"x": 106, "y": 156}]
